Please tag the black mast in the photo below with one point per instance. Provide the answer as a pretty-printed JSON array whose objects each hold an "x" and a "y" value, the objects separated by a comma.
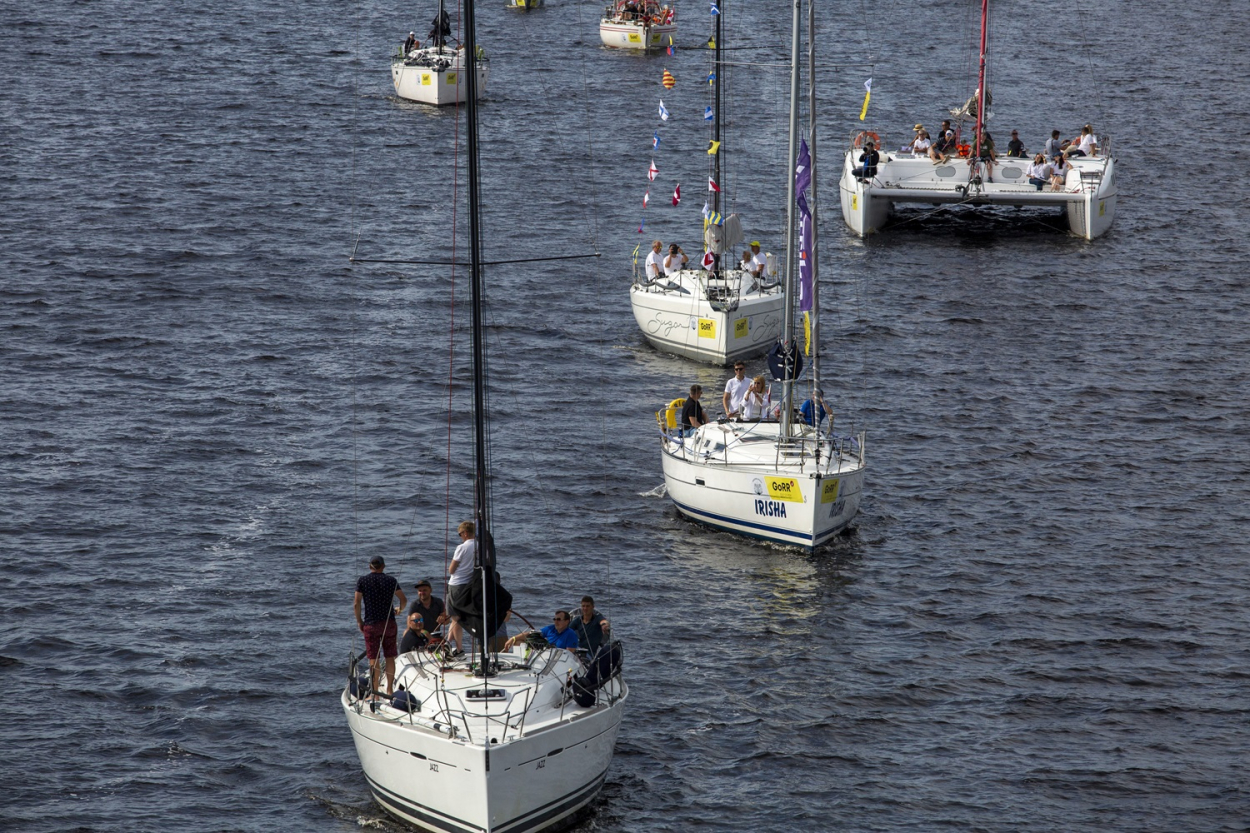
[{"x": 718, "y": 69}]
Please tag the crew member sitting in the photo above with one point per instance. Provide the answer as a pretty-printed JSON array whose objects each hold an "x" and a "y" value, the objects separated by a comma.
[
  {"x": 868, "y": 162},
  {"x": 556, "y": 634},
  {"x": 411, "y": 43}
]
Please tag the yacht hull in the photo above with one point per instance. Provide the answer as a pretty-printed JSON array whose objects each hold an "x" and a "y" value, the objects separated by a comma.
[
  {"x": 625, "y": 35},
  {"x": 427, "y": 85},
  {"x": 438, "y": 783}
]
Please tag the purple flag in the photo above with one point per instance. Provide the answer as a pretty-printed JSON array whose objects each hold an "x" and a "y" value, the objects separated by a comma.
[{"x": 802, "y": 180}]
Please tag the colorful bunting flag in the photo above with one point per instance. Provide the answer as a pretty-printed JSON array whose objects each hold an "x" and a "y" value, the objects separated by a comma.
[
  {"x": 663, "y": 111},
  {"x": 708, "y": 260},
  {"x": 706, "y": 210},
  {"x": 646, "y": 199},
  {"x": 708, "y": 115},
  {"x": 668, "y": 80},
  {"x": 671, "y": 51},
  {"x": 652, "y": 171},
  {"x": 677, "y": 194},
  {"x": 712, "y": 186},
  {"x": 713, "y": 146},
  {"x": 711, "y": 78},
  {"x": 715, "y": 8},
  {"x": 636, "y": 248},
  {"x": 715, "y": 218},
  {"x": 711, "y": 42},
  {"x": 867, "y": 95},
  {"x": 640, "y": 224},
  {"x": 655, "y": 140}
]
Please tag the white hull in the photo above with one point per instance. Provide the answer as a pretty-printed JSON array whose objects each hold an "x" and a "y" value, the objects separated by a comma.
[
  {"x": 730, "y": 476},
  {"x": 546, "y": 762},
  {"x": 441, "y": 83},
  {"x": 1088, "y": 197},
  {"x": 634, "y": 35},
  {"x": 709, "y": 321}
]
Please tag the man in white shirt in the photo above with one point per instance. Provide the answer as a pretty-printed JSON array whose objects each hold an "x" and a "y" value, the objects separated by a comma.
[
  {"x": 655, "y": 263},
  {"x": 459, "y": 575},
  {"x": 676, "y": 260},
  {"x": 735, "y": 390},
  {"x": 758, "y": 262}
]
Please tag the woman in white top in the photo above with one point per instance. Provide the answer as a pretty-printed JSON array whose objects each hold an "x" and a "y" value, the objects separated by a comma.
[
  {"x": 1059, "y": 171},
  {"x": 1039, "y": 172},
  {"x": 755, "y": 403}
]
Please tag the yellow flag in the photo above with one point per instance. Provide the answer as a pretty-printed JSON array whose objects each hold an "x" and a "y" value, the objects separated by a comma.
[
  {"x": 711, "y": 43},
  {"x": 867, "y": 95},
  {"x": 636, "y": 248},
  {"x": 807, "y": 333},
  {"x": 715, "y": 146}
]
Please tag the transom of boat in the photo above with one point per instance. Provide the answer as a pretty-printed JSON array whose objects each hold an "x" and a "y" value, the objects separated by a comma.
[
  {"x": 906, "y": 177},
  {"x": 697, "y": 283}
]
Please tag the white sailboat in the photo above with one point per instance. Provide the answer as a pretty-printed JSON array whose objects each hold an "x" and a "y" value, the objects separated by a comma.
[
  {"x": 715, "y": 311},
  {"x": 436, "y": 73},
  {"x": 777, "y": 478},
  {"x": 1087, "y": 196},
  {"x": 493, "y": 741},
  {"x": 637, "y": 24}
]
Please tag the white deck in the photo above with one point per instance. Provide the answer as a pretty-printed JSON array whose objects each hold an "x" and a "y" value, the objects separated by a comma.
[{"x": 1088, "y": 195}]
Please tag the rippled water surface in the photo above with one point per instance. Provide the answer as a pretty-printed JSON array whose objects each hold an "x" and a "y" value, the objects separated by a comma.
[{"x": 211, "y": 420}]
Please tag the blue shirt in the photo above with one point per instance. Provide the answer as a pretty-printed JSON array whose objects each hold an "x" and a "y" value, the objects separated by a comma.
[
  {"x": 808, "y": 411},
  {"x": 568, "y": 639}
]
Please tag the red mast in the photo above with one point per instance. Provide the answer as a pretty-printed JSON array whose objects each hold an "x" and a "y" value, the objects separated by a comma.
[{"x": 981, "y": 94}]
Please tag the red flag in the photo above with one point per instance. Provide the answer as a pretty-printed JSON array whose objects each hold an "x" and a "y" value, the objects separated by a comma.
[
  {"x": 677, "y": 194},
  {"x": 646, "y": 198},
  {"x": 652, "y": 171},
  {"x": 708, "y": 260},
  {"x": 712, "y": 186}
]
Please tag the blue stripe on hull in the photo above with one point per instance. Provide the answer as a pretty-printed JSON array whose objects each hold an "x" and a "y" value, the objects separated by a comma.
[{"x": 776, "y": 534}]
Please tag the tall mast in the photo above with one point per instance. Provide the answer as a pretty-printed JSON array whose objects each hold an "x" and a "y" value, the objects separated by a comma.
[
  {"x": 787, "y": 337},
  {"x": 812, "y": 205},
  {"x": 718, "y": 69},
  {"x": 981, "y": 93}
]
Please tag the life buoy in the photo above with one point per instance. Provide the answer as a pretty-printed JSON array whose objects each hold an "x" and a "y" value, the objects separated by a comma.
[
  {"x": 964, "y": 150},
  {"x": 673, "y": 409},
  {"x": 866, "y": 135}
]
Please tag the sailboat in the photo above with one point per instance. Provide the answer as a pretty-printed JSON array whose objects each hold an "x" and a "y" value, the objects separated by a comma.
[
  {"x": 494, "y": 741},
  {"x": 714, "y": 311},
  {"x": 637, "y": 24},
  {"x": 1087, "y": 196},
  {"x": 775, "y": 478},
  {"x": 435, "y": 73}
]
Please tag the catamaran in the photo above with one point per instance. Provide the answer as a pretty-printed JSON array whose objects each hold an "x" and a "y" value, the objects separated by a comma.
[
  {"x": 1086, "y": 195},
  {"x": 490, "y": 741},
  {"x": 775, "y": 477}
]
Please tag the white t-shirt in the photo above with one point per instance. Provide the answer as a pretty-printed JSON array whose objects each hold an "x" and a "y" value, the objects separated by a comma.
[
  {"x": 736, "y": 390},
  {"x": 655, "y": 265},
  {"x": 464, "y": 568},
  {"x": 760, "y": 262},
  {"x": 755, "y": 405},
  {"x": 673, "y": 263},
  {"x": 920, "y": 146},
  {"x": 1087, "y": 144}
]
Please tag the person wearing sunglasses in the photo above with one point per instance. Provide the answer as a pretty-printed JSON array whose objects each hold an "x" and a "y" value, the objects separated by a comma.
[{"x": 556, "y": 634}]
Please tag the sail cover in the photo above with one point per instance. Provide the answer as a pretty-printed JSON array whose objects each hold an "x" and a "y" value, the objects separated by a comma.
[{"x": 723, "y": 238}]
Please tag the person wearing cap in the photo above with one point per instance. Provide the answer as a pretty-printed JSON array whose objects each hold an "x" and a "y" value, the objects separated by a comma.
[
  {"x": 1016, "y": 147},
  {"x": 944, "y": 145},
  {"x": 758, "y": 261},
  {"x": 433, "y": 611},
  {"x": 411, "y": 43},
  {"x": 868, "y": 162},
  {"x": 676, "y": 259},
  {"x": 655, "y": 261},
  {"x": 735, "y": 389},
  {"x": 808, "y": 409},
  {"x": 376, "y": 618}
]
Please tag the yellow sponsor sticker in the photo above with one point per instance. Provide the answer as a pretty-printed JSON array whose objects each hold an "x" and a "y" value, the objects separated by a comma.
[
  {"x": 854, "y": 202},
  {"x": 425, "y": 80},
  {"x": 635, "y": 38},
  {"x": 784, "y": 488},
  {"x": 829, "y": 491},
  {"x": 707, "y": 328},
  {"x": 451, "y": 78},
  {"x": 742, "y": 327},
  {"x": 1102, "y": 206}
]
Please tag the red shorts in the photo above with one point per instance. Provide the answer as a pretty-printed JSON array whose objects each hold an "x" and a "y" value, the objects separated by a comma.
[{"x": 381, "y": 633}]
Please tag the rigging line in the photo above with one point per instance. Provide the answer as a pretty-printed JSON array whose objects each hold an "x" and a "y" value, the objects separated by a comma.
[
  {"x": 353, "y": 322},
  {"x": 454, "y": 263},
  {"x": 451, "y": 312},
  {"x": 593, "y": 221}
]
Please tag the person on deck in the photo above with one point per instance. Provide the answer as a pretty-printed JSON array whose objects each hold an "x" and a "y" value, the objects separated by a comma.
[
  {"x": 921, "y": 144},
  {"x": 1015, "y": 147},
  {"x": 1054, "y": 146},
  {"x": 735, "y": 389},
  {"x": 414, "y": 637},
  {"x": 1085, "y": 144},
  {"x": 433, "y": 611},
  {"x": 808, "y": 409},
  {"x": 590, "y": 627},
  {"x": 757, "y": 400},
  {"x": 676, "y": 259},
  {"x": 867, "y": 162},
  {"x": 759, "y": 262},
  {"x": 944, "y": 145},
  {"x": 1039, "y": 172},
  {"x": 376, "y": 618},
  {"x": 557, "y": 633},
  {"x": 411, "y": 43},
  {"x": 985, "y": 155},
  {"x": 692, "y": 414},
  {"x": 459, "y": 576},
  {"x": 655, "y": 262},
  {"x": 1059, "y": 168}
]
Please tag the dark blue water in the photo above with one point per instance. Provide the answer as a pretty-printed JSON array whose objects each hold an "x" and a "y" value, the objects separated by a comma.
[{"x": 210, "y": 420}]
